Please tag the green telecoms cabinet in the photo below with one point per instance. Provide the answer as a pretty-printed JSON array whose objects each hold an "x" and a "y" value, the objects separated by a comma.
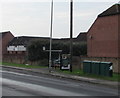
[
  {"x": 106, "y": 69},
  {"x": 96, "y": 67},
  {"x": 87, "y": 66}
]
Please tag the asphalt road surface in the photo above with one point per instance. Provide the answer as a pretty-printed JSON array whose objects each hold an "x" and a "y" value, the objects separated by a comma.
[{"x": 16, "y": 83}]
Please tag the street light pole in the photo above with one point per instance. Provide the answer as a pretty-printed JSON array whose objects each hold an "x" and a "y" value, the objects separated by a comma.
[
  {"x": 71, "y": 33},
  {"x": 50, "y": 53}
]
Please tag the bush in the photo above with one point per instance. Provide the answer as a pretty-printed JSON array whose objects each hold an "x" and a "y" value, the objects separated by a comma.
[
  {"x": 43, "y": 62},
  {"x": 36, "y": 53},
  {"x": 79, "y": 49}
]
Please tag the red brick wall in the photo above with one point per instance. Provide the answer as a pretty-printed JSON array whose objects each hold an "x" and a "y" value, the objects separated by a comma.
[
  {"x": 104, "y": 40},
  {"x": 0, "y": 48},
  {"x": 119, "y": 34},
  {"x": 5, "y": 40},
  {"x": 14, "y": 58}
]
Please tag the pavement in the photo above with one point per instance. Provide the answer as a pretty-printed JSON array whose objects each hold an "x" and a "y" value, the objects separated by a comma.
[{"x": 114, "y": 84}]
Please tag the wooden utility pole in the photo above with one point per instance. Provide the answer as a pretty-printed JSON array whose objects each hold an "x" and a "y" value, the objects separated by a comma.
[{"x": 71, "y": 33}]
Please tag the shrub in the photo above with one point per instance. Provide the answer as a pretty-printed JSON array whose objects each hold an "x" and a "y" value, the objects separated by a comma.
[{"x": 36, "y": 53}]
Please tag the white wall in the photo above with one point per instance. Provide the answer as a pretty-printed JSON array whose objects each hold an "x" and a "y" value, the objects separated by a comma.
[{"x": 16, "y": 48}]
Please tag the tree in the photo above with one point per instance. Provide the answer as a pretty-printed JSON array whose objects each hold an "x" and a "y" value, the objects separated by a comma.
[
  {"x": 79, "y": 49},
  {"x": 36, "y": 53}
]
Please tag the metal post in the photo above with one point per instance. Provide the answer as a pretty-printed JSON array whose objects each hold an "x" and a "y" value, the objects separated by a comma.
[
  {"x": 71, "y": 33},
  {"x": 50, "y": 53}
]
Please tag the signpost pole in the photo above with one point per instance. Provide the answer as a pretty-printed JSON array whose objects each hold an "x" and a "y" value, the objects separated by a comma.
[{"x": 50, "y": 53}]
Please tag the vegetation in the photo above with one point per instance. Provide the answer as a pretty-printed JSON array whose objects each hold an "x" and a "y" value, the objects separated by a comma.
[
  {"x": 35, "y": 49},
  {"x": 79, "y": 49},
  {"x": 116, "y": 77},
  {"x": 22, "y": 65}
]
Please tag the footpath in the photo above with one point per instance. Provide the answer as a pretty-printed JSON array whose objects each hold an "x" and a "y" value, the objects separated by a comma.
[{"x": 45, "y": 71}]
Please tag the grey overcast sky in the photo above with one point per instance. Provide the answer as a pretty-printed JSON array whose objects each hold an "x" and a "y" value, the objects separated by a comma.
[{"x": 32, "y": 17}]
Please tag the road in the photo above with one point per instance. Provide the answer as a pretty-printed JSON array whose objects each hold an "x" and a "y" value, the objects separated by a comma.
[{"x": 18, "y": 83}]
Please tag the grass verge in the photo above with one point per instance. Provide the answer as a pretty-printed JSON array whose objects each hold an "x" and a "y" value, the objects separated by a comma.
[
  {"x": 115, "y": 77},
  {"x": 22, "y": 65}
]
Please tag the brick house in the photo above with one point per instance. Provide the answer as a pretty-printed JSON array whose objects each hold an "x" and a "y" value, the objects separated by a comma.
[
  {"x": 82, "y": 37},
  {"x": 103, "y": 38},
  {"x": 17, "y": 47},
  {"x": 5, "y": 38}
]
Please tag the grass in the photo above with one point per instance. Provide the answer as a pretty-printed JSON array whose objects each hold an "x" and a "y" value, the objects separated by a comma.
[
  {"x": 115, "y": 77},
  {"x": 22, "y": 65}
]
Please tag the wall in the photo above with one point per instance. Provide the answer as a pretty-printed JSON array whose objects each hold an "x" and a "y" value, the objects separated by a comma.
[
  {"x": 102, "y": 37},
  {"x": 21, "y": 59},
  {"x": 119, "y": 34},
  {"x": 14, "y": 58},
  {"x": 76, "y": 62},
  {"x": 5, "y": 40},
  {"x": 0, "y": 48}
]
